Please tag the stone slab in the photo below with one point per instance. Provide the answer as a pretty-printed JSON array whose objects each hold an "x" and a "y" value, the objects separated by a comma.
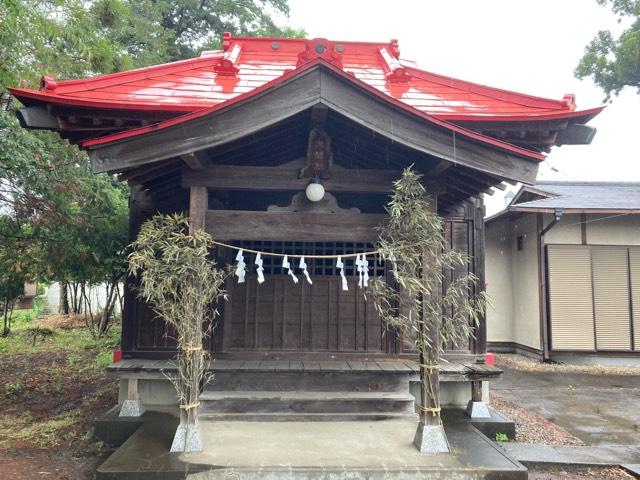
[
  {"x": 496, "y": 423},
  {"x": 113, "y": 429},
  {"x": 632, "y": 469},
  {"x": 570, "y": 455},
  {"x": 306, "y": 450}
]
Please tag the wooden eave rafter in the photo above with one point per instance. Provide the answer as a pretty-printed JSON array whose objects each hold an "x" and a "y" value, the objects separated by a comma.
[{"x": 314, "y": 86}]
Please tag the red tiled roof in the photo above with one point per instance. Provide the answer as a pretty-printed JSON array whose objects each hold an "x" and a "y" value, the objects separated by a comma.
[
  {"x": 523, "y": 152},
  {"x": 247, "y": 63}
]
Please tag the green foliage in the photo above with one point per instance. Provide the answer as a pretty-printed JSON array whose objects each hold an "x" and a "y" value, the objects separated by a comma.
[
  {"x": 20, "y": 341},
  {"x": 13, "y": 389},
  {"x": 157, "y": 31},
  {"x": 418, "y": 301},
  {"x": 413, "y": 240},
  {"x": 183, "y": 285},
  {"x": 502, "y": 437},
  {"x": 614, "y": 63}
]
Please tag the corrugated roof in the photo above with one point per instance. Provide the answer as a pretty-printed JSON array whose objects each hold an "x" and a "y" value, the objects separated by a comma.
[
  {"x": 248, "y": 63},
  {"x": 585, "y": 196}
]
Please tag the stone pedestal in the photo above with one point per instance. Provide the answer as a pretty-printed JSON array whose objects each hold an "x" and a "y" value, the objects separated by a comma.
[
  {"x": 132, "y": 406},
  {"x": 478, "y": 410},
  {"x": 431, "y": 439},
  {"x": 187, "y": 438}
]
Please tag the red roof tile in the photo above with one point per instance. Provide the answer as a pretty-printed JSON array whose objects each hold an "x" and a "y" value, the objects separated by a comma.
[{"x": 247, "y": 63}]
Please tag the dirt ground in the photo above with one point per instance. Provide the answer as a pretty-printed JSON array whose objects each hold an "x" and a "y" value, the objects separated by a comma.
[{"x": 49, "y": 398}]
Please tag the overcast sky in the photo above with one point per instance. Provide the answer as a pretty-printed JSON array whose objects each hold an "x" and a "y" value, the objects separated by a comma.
[{"x": 528, "y": 46}]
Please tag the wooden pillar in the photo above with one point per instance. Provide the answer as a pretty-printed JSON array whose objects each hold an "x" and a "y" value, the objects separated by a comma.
[
  {"x": 198, "y": 204},
  {"x": 480, "y": 343},
  {"x": 139, "y": 206},
  {"x": 476, "y": 407}
]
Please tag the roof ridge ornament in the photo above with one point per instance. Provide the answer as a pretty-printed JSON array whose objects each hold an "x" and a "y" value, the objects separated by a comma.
[
  {"x": 394, "y": 71},
  {"x": 570, "y": 100},
  {"x": 228, "y": 64},
  {"x": 48, "y": 83},
  {"x": 321, "y": 48}
]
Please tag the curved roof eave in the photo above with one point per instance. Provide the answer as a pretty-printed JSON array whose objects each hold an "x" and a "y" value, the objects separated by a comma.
[{"x": 519, "y": 151}]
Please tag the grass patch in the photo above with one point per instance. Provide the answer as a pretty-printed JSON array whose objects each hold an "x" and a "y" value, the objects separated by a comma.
[
  {"x": 41, "y": 434},
  {"x": 54, "y": 383},
  {"x": 21, "y": 341}
]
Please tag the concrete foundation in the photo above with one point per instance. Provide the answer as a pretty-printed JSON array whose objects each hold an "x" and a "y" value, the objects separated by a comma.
[{"x": 369, "y": 450}]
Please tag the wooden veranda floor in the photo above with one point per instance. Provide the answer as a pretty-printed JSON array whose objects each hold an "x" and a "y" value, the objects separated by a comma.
[{"x": 449, "y": 371}]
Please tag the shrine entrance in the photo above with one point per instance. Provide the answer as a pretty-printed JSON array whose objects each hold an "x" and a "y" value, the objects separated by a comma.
[{"x": 281, "y": 315}]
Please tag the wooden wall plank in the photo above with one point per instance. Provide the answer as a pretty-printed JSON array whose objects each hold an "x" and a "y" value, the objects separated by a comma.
[
  {"x": 225, "y": 177},
  {"x": 292, "y": 226}
]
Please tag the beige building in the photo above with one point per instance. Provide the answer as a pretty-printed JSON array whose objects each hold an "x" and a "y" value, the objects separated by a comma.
[{"x": 563, "y": 271}]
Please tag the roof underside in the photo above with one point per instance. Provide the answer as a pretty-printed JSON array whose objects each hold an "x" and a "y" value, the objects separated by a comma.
[
  {"x": 284, "y": 143},
  {"x": 139, "y": 97}
]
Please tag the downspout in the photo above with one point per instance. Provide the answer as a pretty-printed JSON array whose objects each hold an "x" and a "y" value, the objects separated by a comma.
[{"x": 542, "y": 265}]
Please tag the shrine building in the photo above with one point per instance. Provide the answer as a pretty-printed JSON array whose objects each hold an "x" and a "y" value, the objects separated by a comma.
[{"x": 235, "y": 137}]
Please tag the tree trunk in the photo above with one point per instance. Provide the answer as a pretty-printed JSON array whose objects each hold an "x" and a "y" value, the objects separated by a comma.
[
  {"x": 5, "y": 328},
  {"x": 63, "y": 306}
]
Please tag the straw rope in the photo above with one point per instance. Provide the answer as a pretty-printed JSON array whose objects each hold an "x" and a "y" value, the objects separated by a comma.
[
  {"x": 433, "y": 410},
  {"x": 430, "y": 367},
  {"x": 190, "y": 406},
  {"x": 282, "y": 255}
]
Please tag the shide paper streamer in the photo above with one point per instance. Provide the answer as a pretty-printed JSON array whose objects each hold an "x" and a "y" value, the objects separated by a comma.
[{"x": 241, "y": 266}]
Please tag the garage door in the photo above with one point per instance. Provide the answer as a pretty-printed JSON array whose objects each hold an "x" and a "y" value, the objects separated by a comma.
[{"x": 592, "y": 293}]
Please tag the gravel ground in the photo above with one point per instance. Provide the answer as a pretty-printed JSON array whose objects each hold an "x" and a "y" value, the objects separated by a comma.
[
  {"x": 520, "y": 362},
  {"x": 531, "y": 428},
  {"x": 552, "y": 472}
]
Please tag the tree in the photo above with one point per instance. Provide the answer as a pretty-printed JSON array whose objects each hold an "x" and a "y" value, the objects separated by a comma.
[
  {"x": 614, "y": 63},
  {"x": 183, "y": 284},
  {"x": 72, "y": 222},
  {"x": 13, "y": 265},
  {"x": 158, "y": 31},
  {"x": 418, "y": 302}
]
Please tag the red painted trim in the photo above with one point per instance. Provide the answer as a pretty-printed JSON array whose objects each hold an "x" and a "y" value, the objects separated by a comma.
[
  {"x": 318, "y": 61},
  {"x": 76, "y": 102}
]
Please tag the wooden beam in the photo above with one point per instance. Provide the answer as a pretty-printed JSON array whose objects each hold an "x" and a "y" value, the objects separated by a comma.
[
  {"x": 193, "y": 160},
  {"x": 298, "y": 226},
  {"x": 225, "y": 177}
]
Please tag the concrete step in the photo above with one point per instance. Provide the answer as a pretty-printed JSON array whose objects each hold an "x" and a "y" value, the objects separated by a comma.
[
  {"x": 305, "y": 402},
  {"x": 309, "y": 417},
  {"x": 318, "y": 381}
]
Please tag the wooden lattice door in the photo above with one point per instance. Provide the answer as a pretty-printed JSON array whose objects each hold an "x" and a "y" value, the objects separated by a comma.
[{"x": 280, "y": 315}]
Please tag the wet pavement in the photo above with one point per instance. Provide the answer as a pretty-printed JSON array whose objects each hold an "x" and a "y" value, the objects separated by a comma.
[{"x": 600, "y": 410}]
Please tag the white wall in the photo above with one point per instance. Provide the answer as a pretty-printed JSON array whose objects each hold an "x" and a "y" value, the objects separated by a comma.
[
  {"x": 512, "y": 275},
  {"x": 512, "y": 282},
  {"x": 498, "y": 281}
]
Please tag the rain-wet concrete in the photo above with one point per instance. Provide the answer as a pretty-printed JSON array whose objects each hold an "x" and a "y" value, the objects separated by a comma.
[
  {"x": 600, "y": 410},
  {"x": 327, "y": 450}
]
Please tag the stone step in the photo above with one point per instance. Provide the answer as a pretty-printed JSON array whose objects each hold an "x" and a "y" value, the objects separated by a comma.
[
  {"x": 305, "y": 402},
  {"x": 318, "y": 381},
  {"x": 309, "y": 417}
]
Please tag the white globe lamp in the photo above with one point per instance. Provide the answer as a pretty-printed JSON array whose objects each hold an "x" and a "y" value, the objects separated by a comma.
[{"x": 315, "y": 190}]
